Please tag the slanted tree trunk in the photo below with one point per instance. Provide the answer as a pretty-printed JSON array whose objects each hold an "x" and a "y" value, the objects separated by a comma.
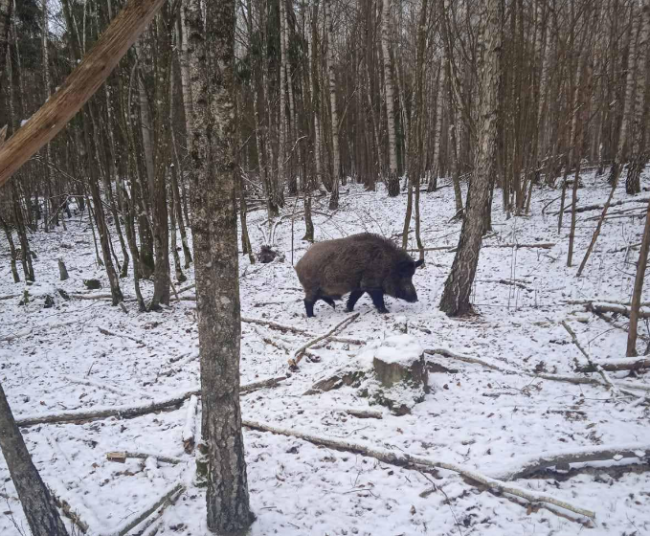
[
  {"x": 458, "y": 286},
  {"x": 38, "y": 505},
  {"x": 393, "y": 179},
  {"x": 638, "y": 288},
  {"x": 214, "y": 228}
]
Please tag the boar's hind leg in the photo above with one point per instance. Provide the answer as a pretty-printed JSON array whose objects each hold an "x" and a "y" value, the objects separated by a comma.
[
  {"x": 353, "y": 299},
  {"x": 378, "y": 300}
]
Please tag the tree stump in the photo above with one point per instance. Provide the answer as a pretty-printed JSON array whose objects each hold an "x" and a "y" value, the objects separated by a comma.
[{"x": 63, "y": 272}]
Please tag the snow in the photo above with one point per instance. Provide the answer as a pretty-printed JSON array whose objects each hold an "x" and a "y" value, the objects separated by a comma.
[
  {"x": 488, "y": 420},
  {"x": 403, "y": 349}
]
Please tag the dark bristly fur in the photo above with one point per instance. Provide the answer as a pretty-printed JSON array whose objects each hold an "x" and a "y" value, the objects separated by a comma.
[{"x": 357, "y": 264}]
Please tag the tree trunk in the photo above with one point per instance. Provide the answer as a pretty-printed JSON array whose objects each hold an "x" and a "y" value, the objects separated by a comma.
[
  {"x": 455, "y": 298},
  {"x": 38, "y": 505},
  {"x": 330, "y": 59},
  {"x": 393, "y": 179},
  {"x": 638, "y": 151},
  {"x": 162, "y": 159},
  {"x": 638, "y": 288},
  {"x": 12, "y": 250},
  {"x": 214, "y": 227}
]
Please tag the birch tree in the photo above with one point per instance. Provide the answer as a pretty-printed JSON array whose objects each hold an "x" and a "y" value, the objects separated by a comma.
[
  {"x": 393, "y": 179},
  {"x": 214, "y": 227},
  {"x": 456, "y": 295}
]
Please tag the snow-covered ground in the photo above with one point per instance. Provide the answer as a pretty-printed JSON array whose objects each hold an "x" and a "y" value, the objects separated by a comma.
[{"x": 485, "y": 420}]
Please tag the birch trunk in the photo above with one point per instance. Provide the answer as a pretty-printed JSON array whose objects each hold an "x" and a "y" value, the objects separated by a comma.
[
  {"x": 330, "y": 59},
  {"x": 214, "y": 227},
  {"x": 455, "y": 298},
  {"x": 393, "y": 179}
]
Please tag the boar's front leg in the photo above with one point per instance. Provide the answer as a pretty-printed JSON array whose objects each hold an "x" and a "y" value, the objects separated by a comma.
[
  {"x": 353, "y": 299},
  {"x": 377, "y": 296},
  {"x": 309, "y": 307}
]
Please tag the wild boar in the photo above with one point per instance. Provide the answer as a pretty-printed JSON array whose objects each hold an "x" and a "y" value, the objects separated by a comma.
[{"x": 357, "y": 264}]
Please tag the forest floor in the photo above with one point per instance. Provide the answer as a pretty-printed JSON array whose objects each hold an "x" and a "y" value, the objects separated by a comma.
[{"x": 85, "y": 354}]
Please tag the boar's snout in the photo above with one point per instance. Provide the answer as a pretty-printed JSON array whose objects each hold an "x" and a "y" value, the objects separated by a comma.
[{"x": 409, "y": 294}]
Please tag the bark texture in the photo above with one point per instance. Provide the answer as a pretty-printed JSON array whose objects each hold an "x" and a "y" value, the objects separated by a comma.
[
  {"x": 37, "y": 503},
  {"x": 456, "y": 295},
  {"x": 214, "y": 227}
]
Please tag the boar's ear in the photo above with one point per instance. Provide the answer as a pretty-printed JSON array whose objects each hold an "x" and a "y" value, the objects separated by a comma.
[{"x": 419, "y": 263}]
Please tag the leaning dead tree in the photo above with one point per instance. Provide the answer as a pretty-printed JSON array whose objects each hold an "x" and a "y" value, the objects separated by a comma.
[{"x": 36, "y": 500}]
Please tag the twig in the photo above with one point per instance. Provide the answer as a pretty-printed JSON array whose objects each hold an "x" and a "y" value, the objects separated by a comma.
[
  {"x": 111, "y": 334},
  {"x": 402, "y": 459},
  {"x": 297, "y": 356},
  {"x": 91, "y": 383}
]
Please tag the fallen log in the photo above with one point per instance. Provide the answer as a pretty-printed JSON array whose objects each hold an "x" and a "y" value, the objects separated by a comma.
[
  {"x": 614, "y": 365},
  {"x": 401, "y": 459},
  {"x": 618, "y": 309},
  {"x": 129, "y": 412},
  {"x": 599, "y": 206},
  {"x": 528, "y": 465}
]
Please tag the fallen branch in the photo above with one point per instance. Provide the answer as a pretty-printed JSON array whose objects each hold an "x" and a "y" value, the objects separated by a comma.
[
  {"x": 127, "y": 526},
  {"x": 528, "y": 465},
  {"x": 91, "y": 383},
  {"x": 122, "y": 455},
  {"x": 576, "y": 380},
  {"x": 599, "y": 206},
  {"x": 9, "y": 297},
  {"x": 591, "y": 362},
  {"x": 16, "y": 335},
  {"x": 299, "y": 331},
  {"x": 128, "y": 412},
  {"x": 402, "y": 459},
  {"x": 541, "y": 245},
  {"x": 297, "y": 356},
  {"x": 611, "y": 322},
  {"x": 111, "y": 334},
  {"x": 365, "y": 413},
  {"x": 513, "y": 283}
]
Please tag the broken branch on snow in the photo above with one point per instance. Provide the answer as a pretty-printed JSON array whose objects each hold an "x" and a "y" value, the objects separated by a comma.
[
  {"x": 402, "y": 459},
  {"x": 128, "y": 412},
  {"x": 297, "y": 356}
]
